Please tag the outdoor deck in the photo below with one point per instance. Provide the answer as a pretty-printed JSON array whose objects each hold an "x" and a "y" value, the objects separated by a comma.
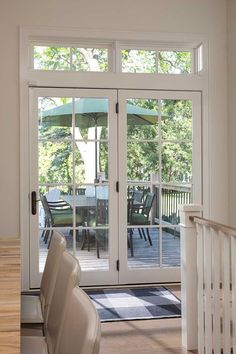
[{"x": 145, "y": 256}]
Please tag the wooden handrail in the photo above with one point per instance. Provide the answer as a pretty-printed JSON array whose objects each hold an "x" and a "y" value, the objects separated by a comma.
[{"x": 230, "y": 231}]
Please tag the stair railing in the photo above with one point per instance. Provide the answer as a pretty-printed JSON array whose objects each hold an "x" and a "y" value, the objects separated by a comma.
[{"x": 212, "y": 309}]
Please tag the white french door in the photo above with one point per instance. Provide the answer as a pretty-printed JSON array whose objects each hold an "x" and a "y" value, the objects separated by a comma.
[
  {"x": 73, "y": 160},
  {"x": 87, "y": 153},
  {"x": 159, "y": 158}
]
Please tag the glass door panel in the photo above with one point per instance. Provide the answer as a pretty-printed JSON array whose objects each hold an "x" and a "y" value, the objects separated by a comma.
[
  {"x": 156, "y": 165},
  {"x": 73, "y": 177}
]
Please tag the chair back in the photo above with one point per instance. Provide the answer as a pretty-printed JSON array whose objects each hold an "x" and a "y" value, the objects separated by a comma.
[
  {"x": 81, "y": 328},
  {"x": 148, "y": 203},
  {"x": 47, "y": 211},
  {"x": 80, "y": 191},
  {"x": 102, "y": 210},
  {"x": 68, "y": 277},
  {"x": 56, "y": 249},
  {"x": 53, "y": 195},
  {"x": 137, "y": 196}
]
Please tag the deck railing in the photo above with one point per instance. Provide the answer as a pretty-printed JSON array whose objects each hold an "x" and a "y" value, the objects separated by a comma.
[
  {"x": 172, "y": 195},
  {"x": 214, "y": 270}
]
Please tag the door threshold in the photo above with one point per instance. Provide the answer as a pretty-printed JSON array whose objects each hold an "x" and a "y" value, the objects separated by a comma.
[{"x": 122, "y": 286}]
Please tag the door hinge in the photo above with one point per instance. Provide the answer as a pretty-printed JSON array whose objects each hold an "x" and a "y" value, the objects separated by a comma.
[
  {"x": 117, "y": 107},
  {"x": 117, "y": 186},
  {"x": 118, "y": 265}
]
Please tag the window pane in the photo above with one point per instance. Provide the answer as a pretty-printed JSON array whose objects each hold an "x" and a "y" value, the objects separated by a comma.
[
  {"x": 143, "y": 247},
  {"x": 92, "y": 248},
  {"x": 142, "y": 161},
  {"x": 91, "y": 118},
  {"x": 176, "y": 120},
  {"x": 171, "y": 246},
  {"x": 54, "y": 118},
  {"x": 51, "y": 58},
  {"x": 142, "y": 119},
  {"x": 90, "y": 59},
  {"x": 176, "y": 162},
  {"x": 174, "y": 62},
  {"x": 91, "y": 161},
  {"x": 171, "y": 197},
  {"x": 55, "y": 162},
  {"x": 138, "y": 61}
]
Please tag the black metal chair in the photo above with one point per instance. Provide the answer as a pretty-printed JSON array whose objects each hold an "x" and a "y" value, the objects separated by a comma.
[
  {"x": 58, "y": 214},
  {"x": 99, "y": 217},
  {"x": 140, "y": 218}
]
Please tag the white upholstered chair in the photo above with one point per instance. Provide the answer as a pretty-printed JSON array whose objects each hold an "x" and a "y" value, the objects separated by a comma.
[
  {"x": 34, "y": 308},
  {"x": 81, "y": 327},
  {"x": 67, "y": 279}
]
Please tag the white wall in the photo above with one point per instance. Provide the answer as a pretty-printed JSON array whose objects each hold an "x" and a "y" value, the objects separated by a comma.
[
  {"x": 231, "y": 108},
  {"x": 207, "y": 17}
]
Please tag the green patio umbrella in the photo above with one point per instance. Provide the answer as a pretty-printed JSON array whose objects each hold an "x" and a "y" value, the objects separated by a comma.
[{"x": 92, "y": 112}]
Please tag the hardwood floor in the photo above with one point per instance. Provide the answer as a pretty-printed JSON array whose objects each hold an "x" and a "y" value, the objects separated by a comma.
[
  {"x": 162, "y": 336},
  {"x": 141, "y": 337}
]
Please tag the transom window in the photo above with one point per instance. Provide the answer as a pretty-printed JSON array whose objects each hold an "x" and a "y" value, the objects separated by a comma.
[
  {"x": 70, "y": 58},
  {"x": 115, "y": 57},
  {"x": 152, "y": 61}
]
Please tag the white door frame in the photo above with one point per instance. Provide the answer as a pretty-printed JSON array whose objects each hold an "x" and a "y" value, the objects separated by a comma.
[
  {"x": 31, "y": 78},
  {"x": 118, "y": 227}
]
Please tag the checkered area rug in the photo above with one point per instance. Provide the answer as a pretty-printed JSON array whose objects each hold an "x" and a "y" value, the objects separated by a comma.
[{"x": 136, "y": 303}]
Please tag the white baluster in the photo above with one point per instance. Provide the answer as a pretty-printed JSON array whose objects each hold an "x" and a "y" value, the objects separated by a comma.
[
  {"x": 216, "y": 293},
  {"x": 200, "y": 294},
  {"x": 226, "y": 293},
  {"x": 233, "y": 267},
  {"x": 207, "y": 287}
]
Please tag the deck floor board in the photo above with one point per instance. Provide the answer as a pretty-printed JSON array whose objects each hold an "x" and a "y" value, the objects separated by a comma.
[{"x": 145, "y": 255}]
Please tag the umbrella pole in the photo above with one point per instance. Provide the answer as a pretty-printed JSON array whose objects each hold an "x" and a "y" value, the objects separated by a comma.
[{"x": 96, "y": 150}]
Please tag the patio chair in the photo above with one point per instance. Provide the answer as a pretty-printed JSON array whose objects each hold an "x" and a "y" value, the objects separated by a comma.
[
  {"x": 134, "y": 202},
  {"x": 137, "y": 196},
  {"x": 99, "y": 217},
  {"x": 67, "y": 279},
  {"x": 58, "y": 214},
  {"x": 141, "y": 218},
  {"x": 34, "y": 307},
  {"x": 80, "y": 191},
  {"x": 52, "y": 196},
  {"x": 79, "y": 332}
]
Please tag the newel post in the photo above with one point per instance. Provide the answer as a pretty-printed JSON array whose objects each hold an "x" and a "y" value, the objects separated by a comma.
[{"x": 189, "y": 275}]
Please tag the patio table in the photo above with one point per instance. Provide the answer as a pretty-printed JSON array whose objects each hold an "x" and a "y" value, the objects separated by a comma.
[{"x": 80, "y": 201}]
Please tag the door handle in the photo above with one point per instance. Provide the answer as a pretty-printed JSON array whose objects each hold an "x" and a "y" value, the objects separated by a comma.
[{"x": 34, "y": 203}]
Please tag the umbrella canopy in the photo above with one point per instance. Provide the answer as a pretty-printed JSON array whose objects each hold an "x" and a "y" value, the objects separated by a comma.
[{"x": 90, "y": 112}]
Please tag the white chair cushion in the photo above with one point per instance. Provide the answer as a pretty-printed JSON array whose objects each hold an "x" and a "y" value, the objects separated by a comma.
[
  {"x": 33, "y": 345},
  {"x": 31, "y": 311}
]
